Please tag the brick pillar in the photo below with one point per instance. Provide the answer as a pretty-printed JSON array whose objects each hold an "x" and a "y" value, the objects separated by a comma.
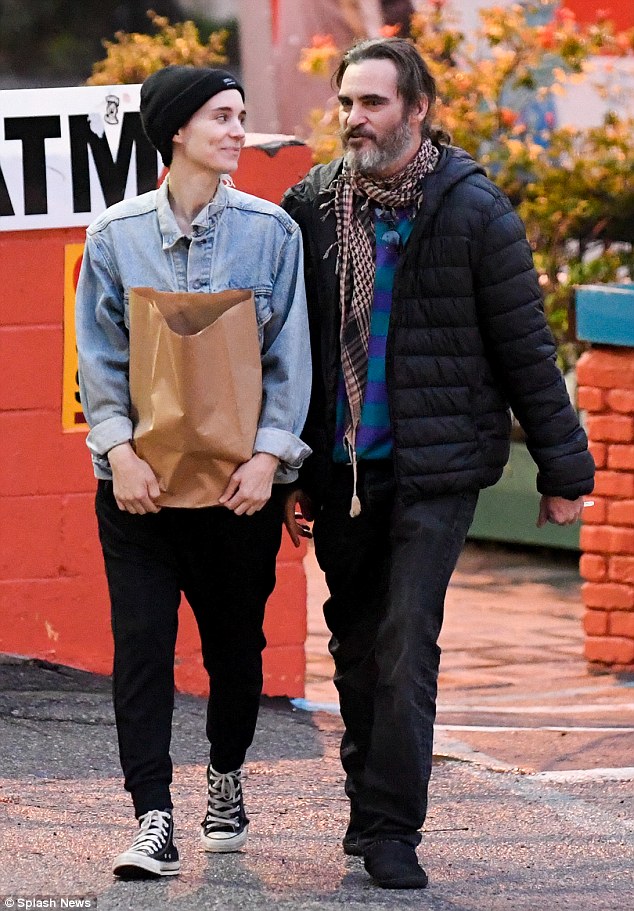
[{"x": 606, "y": 391}]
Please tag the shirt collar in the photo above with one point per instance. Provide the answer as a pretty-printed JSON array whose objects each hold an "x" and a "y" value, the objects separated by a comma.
[{"x": 167, "y": 221}]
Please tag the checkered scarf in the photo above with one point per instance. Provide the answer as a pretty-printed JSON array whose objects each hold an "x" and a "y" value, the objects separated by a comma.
[{"x": 356, "y": 262}]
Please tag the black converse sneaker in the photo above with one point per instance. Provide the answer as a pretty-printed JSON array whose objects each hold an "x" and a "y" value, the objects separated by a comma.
[
  {"x": 153, "y": 852},
  {"x": 225, "y": 825}
]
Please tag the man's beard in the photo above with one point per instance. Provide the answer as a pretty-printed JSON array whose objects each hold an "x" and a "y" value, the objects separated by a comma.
[{"x": 383, "y": 153}]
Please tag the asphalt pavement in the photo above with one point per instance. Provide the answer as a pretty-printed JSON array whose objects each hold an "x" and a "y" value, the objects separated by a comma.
[{"x": 532, "y": 794}]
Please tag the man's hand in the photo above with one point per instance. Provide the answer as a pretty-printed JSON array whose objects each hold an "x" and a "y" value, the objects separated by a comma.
[
  {"x": 249, "y": 487},
  {"x": 297, "y": 506},
  {"x": 559, "y": 511},
  {"x": 134, "y": 484}
]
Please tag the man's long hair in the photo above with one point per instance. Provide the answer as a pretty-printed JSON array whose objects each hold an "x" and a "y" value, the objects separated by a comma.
[{"x": 413, "y": 77}]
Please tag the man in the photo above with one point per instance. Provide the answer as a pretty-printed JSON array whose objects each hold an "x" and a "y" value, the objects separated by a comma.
[
  {"x": 194, "y": 233},
  {"x": 426, "y": 323}
]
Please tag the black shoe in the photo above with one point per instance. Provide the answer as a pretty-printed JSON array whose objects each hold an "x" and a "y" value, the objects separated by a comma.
[
  {"x": 153, "y": 852},
  {"x": 394, "y": 865},
  {"x": 226, "y": 825},
  {"x": 351, "y": 846}
]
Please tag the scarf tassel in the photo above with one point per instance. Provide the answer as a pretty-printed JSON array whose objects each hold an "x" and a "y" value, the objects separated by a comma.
[{"x": 355, "y": 502}]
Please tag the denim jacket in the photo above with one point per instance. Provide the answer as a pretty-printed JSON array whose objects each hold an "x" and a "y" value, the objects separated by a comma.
[{"x": 238, "y": 241}]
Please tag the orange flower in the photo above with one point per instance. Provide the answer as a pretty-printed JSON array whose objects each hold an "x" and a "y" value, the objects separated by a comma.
[
  {"x": 390, "y": 31},
  {"x": 625, "y": 41},
  {"x": 546, "y": 37},
  {"x": 317, "y": 59},
  {"x": 508, "y": 117},
  {"x": 322, "y": 41}
]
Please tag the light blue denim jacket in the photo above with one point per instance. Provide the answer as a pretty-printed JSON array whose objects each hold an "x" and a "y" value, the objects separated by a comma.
[{"x": 238, "y": 241}]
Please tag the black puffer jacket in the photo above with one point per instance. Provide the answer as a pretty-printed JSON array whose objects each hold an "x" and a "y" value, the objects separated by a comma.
[{"x": 467, "y": 338}]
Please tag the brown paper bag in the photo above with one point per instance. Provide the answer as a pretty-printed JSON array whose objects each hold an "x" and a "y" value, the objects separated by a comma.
[{"x": 195, "y": 389}]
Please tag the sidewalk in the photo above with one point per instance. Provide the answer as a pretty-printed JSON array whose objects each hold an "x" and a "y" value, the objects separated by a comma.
[
  {"x": 514, "y": 689},
  {"x": 531, "y": 797}
]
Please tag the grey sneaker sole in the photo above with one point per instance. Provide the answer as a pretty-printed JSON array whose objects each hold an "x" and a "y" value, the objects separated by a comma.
[
  {"x": 130, "y": 865},
  {"x": 223, "y": 842}
]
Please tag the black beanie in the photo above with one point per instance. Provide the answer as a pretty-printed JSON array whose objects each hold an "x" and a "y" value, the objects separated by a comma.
[{"x": 172, "y": 95}]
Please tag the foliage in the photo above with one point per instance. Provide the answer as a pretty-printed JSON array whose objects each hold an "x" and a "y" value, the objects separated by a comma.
[
  {"x": 132, "y": 57},
  {"x": 573, "y": 187}
]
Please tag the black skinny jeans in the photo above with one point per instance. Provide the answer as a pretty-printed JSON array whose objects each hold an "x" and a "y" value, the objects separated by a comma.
[
  {"x": 225, "y": 566},
  {"x": 387, "y": 572}
]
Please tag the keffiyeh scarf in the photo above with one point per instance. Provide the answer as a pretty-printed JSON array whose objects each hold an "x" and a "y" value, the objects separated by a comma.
[{"x": 356, "y": 267}]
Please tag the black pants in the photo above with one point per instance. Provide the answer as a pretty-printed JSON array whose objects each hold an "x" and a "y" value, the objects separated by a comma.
[
  {"x": 387, "y": 572},
  {"x": 225, "y": 566}
]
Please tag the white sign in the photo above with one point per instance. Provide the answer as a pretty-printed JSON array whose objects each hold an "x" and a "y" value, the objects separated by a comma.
[{"x": 67, "y": 154}]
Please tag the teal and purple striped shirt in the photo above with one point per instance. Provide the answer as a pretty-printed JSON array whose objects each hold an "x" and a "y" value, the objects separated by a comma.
[{"x": 374, "y": 435}]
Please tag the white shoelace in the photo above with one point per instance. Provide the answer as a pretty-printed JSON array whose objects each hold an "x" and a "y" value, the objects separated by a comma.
[
  {"x": 154, "y": 827},
  {"x": 223, "y": 806}
]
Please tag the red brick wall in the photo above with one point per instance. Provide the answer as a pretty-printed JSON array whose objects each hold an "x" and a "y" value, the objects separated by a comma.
[
  {"x": 606, "y": 392},
  {"x": 53, "y": 598}
]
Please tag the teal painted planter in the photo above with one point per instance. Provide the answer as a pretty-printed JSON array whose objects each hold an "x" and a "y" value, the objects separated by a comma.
[
  {"x": 605, "y": 314},
  {"x": 508, "y": 511}
]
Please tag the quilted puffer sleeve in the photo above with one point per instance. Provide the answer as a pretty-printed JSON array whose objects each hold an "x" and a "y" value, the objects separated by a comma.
[{"x": 522, "y": 352}]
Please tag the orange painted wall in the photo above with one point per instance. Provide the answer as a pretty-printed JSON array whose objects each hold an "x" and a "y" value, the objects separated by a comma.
[
  {"x": 621, "y": 12},
  {"x": 53, "y": 596}
]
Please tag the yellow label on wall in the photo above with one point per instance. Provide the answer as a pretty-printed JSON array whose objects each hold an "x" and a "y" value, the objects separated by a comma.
[{"x": 72, "y": 415}]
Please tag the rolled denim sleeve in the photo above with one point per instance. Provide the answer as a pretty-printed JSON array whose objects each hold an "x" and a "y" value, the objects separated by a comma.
[
  {"x": 286, "y": 365},
  {"x": 103, "y": 351}
]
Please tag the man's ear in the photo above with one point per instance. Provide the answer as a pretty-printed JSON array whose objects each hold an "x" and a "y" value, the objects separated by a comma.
[{"x": 421, "y": 108}]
